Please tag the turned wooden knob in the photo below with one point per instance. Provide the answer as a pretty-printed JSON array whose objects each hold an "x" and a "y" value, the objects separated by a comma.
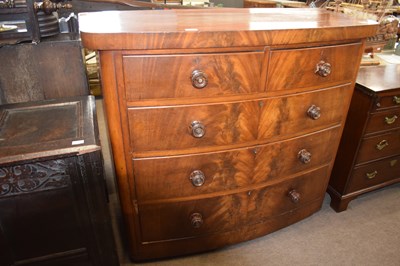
[
  {"x": 198, "y": 129},
  {"x": 304, "y": 156},
  {"x": 199, "y": 79},
  {"x": 196, "y": 219},
  {"x": 198, "y": 178},
  {"x": 294, "y": 196},
  {"x": 314, "y": 112},
  {"x": 323, "y": 69}
]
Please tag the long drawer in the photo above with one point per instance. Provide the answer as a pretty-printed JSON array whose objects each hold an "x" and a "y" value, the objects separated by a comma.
[
  {"x": 383, "y": 145},
  {"x": 201, "y": 174},
  {"x": 199, "y": 126},
  {"x": 186, "y": 219},
  {"x": 305, "y": 69},
  {"x": 382, "y": 121},
  {"x": 191, "y": 75},
  {"x": 375, "y": 173}
]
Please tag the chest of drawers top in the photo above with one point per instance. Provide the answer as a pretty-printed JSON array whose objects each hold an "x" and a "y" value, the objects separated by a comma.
[
  {"x": 212, "y": 28},
  {"x": 379, "y": 78}
]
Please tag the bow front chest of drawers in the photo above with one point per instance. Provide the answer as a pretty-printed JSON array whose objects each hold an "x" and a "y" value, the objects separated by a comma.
[
  {"x": 224, "y": 123},
  {"x": 369, "y": 153}
]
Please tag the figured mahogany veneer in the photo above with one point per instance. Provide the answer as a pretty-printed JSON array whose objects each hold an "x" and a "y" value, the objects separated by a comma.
[
  {"x": 368, "y": 156},
  {"x": 224, "y": 123}
]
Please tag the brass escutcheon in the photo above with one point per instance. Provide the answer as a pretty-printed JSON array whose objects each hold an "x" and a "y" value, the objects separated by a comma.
[{"x": 396, "y": 99}]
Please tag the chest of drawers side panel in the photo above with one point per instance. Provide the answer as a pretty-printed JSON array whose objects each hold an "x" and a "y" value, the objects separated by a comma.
[
  {"x": 111, "y": 69},
  {"x": 348, "y": 148}
]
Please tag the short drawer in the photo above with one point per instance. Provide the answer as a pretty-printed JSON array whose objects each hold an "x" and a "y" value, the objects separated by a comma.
[
  {"x": 383, "y": 121},
  {"x": 374, "y": 174},
  {"x": 390, "y": 101},
  {"x": 308, "y": 68},
  {"x": 172, "y": 220},
  {"x": 200, "y": 126},
  {"x": 185, "y": 176},
  {"x": 191, "y": 75},
  {"x": 384, "y": 145}
]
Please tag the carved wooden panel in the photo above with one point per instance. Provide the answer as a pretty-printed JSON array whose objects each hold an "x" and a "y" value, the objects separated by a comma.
[{"x": 26, "y": 178}]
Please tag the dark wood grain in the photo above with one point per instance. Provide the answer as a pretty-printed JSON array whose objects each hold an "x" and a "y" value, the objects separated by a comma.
[
  {"x": 379, "y": 78},
  {"x": 368, "y": 149},
  {"x": 366, "y": 128},
  {"x": 52, "y": 69},
  {"x": 385, "y": 170},
  {"x": 53, "y": 206},
  {"x": 47, "y": 128}
]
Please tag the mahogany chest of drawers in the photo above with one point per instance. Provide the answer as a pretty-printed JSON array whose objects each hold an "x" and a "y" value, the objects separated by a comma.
[
  {"x": 369, "y": 153},
  {"x": 224, "y": 123},
  {"x": 53, "y": 208}
]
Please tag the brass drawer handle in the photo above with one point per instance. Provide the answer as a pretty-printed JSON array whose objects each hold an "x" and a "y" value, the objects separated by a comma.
[
  {"x": 381, "y": 145},
  {"x": 196, "y": 220},
  {"x": 294, "y": 196},
  {"x": 390, "y": 120},
  {"x": 314, "y": 112},
  {"x": 323, "y": 69},
  {"x": 198, "y": 129},
  {"x": 372, "y": 174},
  {"x": 396, "y": 99},
  {"x": 304, "y": 156},
  {"x": 199, "y": 79},
  {"x": 197, "y": 178}
]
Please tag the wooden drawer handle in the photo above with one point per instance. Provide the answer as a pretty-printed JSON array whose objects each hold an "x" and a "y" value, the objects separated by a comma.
[
  {"x": 304, "y": 156},
  {"x": 197, "y": 178},
  {"x": 323, "y": 69},
  {"x": 196, "y": 220},
  {"x": 198, "y": 129},
  {"x": 390, "y": 120},
  {"x": 199, "y": 79},
  {"x": 314, "y": 112},
  {"x": 372, "y": 174},
  {"x": 381, "y": 145},
  {"x": 294, "y": 196},
  {"x": 396, "y": 99}
]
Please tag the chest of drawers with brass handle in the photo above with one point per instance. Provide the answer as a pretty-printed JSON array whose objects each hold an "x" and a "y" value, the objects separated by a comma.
[
  {"x": 370, "y": 146},
  {"x": 222, "y": 134}
]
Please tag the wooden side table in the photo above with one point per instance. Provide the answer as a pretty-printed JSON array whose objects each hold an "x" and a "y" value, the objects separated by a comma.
[
  {"x": 53, "y": 208},
  {"x": 369, "y": 151}
]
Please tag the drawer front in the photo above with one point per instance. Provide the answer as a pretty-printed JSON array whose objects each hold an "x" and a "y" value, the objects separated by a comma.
[
  {"x": 391, "y": 101},
  {"x": 176, "y": 76},
  {"x": 185, "y": 176},
  {"x": 384, "y": 145},
  {"x": 297, "y": 68},
  {"x": 172, "y": 128},
  {"x": 383, "y": 121},
  {"x": 196, "y": 217},
  {"x": 374, "y": 174}
]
